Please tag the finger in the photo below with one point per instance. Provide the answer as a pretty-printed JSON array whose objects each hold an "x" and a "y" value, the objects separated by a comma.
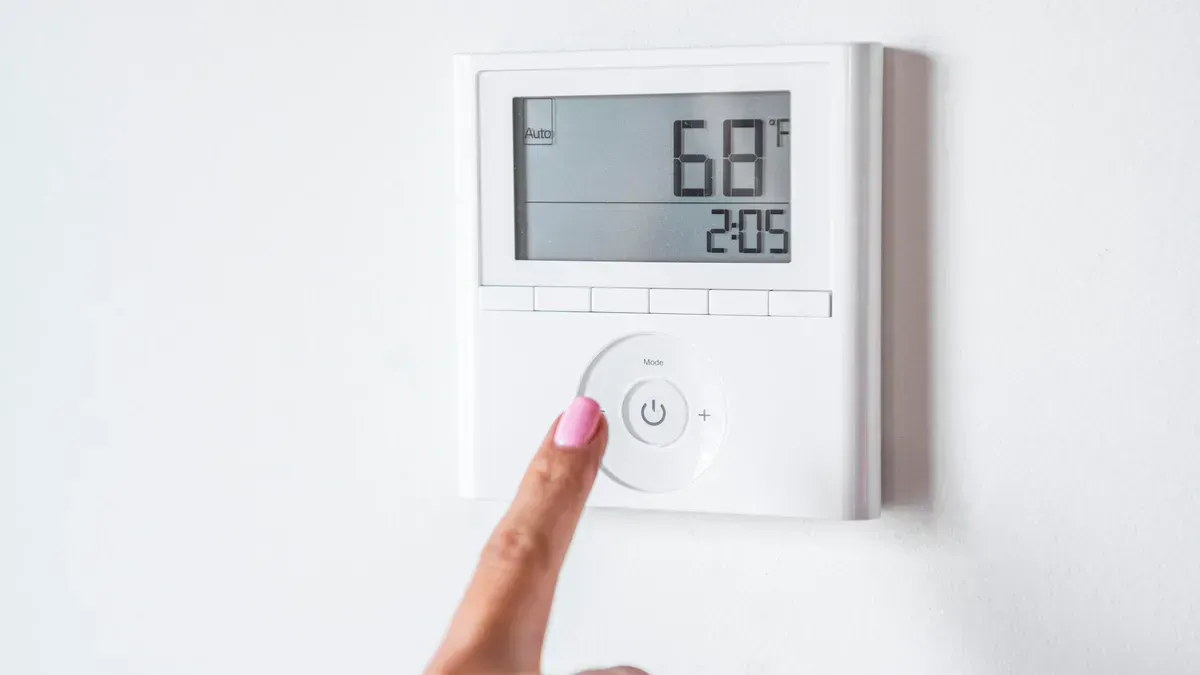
[
  {"x": 619, "y": 670},
  {"x": 507, "y": 604}
]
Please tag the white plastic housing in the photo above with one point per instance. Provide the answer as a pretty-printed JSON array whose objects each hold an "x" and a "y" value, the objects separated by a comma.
[{"x": 800, "y": 432}]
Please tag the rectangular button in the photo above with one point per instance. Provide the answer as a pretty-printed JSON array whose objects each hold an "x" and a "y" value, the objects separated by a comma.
[
  {"x": 562, "y": 299},
  {"x": 740, "y": 303},
  {"x": 678, "y": 301},
  {"x": 512, "y": 298},
  {"x": 626, "y": 300},
  {"x": 800, "y": 303}
]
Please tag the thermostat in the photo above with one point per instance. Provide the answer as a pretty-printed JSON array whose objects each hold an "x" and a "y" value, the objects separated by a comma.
[{"x": 692, "y": 239}]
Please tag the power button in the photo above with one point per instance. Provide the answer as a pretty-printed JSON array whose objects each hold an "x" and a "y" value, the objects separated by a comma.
[{"x": 655, "y": 412}]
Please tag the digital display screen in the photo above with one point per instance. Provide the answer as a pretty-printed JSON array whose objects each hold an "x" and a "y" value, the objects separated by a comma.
[{"x": 655, "y": 178}]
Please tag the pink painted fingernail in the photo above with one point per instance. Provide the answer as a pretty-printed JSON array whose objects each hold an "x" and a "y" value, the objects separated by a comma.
[{"x": 577, "y": 424}]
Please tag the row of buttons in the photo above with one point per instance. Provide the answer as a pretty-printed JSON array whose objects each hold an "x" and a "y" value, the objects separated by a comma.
[{"x": 815, "y": 304}]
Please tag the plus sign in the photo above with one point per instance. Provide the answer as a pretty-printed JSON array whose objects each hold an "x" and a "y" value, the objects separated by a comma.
[{"x": 704, "y": 415}]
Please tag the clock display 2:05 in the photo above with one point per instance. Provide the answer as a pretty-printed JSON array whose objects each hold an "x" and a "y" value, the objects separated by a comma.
[{"x": 762, "y": 218}]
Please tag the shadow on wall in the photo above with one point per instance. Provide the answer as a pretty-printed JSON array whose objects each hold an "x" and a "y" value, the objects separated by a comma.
[
  {"x": 907, "y": 290},
  {"x": 1047, "y": 598}
]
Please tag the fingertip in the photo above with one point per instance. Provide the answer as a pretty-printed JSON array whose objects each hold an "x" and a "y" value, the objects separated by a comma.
[{"x": 578, "y": 424}]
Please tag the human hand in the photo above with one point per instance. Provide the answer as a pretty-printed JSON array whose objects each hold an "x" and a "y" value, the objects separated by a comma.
[{"x": 500, "y": 624}]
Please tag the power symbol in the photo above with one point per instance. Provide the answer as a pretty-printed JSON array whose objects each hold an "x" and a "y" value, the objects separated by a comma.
[{"x": 654, "y": 407}]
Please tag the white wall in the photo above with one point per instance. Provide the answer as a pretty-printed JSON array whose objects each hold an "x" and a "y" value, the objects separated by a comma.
[{"x": 226, "y": 360}]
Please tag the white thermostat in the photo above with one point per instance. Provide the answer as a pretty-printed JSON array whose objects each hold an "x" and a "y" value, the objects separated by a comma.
[{"x": 692, "y": 239}]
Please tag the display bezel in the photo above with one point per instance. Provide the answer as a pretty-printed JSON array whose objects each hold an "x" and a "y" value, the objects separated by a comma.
[{"x": 815, "y": 94}]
